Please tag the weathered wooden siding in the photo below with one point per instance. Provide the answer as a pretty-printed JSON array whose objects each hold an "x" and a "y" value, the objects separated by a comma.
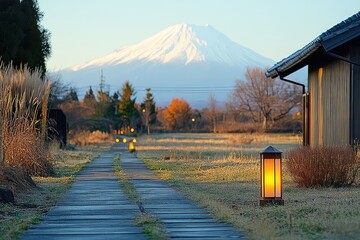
[
  {"x": 355, "y": 57},
  {"x": 329, "y": 88}
]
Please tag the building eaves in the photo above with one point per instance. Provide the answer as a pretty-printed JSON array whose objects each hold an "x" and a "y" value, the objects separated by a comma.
[
  {"x": 294, "y": 59},
  {"x": 332, "y": 38}
]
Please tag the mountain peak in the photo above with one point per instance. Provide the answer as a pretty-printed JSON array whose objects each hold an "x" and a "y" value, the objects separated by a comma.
[{"x": 182, "y": 44}]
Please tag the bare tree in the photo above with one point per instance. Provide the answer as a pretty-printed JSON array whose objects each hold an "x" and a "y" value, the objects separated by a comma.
[
  {"x": 58, "y": 90},
  {"x": 265, "y": 99},
  {"x": 232, "y": 107}
]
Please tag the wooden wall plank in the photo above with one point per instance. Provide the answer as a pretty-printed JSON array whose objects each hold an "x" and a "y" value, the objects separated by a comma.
[{"x": 329, "y": 88}]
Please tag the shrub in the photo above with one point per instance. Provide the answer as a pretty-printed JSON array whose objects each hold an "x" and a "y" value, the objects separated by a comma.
[
  {"x": 85, "y": 138},
  {"x": 238, "y": 127},
  {"x": 92, "y": 124},
  {"x": 323, "y": 166}
]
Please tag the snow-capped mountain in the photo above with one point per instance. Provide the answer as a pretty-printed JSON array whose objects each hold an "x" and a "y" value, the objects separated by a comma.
[
  {"x": 183, "y": 44},
  {"x": 173, "y": 63}
]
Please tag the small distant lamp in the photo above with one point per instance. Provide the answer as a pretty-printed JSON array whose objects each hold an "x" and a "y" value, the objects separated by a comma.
[
  {"x": 271, "y": 177},
  {"x": 193, "y": 119},
  {"x": 124, "y": 140},
  {"x": 143, "y": 110},
  {"x": 131, "y": 146},
  {"x": 134, "y": 140},
  {"x": 117, "y": 140},
  {"x": 132, "y": 130}
]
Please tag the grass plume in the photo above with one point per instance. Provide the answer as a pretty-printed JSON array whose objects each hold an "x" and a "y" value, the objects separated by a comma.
[{"x": 23, "y": 115}]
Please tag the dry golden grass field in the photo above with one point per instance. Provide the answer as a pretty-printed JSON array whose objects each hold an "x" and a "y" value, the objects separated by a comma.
[{"x": 221, "y": 173}]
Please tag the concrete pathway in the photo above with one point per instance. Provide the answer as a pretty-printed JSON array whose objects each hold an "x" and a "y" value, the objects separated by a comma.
[
  {"x": 94, "y": 208},
  {"x": 181, "y": 218}
]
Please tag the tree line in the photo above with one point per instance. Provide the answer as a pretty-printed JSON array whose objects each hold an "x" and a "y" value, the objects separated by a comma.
[
  {"x": 101, "y": 111},
  {"x": 257, "y": 104}
]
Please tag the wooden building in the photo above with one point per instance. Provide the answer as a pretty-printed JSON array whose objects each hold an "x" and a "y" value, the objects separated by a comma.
[{"x": 332, "y": 103}]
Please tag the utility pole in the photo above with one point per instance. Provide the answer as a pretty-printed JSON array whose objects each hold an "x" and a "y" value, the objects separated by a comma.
[
  {"x": 101, "y": 96},
  {"x": 102, "y": 81}
]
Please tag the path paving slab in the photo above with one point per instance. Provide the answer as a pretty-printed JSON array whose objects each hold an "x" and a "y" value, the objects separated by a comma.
[
  {"x": 181, "y": 218},
  {"x": 95, "y": 208}
]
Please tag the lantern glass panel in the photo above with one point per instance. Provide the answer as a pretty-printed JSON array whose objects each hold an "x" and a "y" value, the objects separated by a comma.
[
  {"x": 278, "y": 177},
  {"x": 268, "y": 178}
]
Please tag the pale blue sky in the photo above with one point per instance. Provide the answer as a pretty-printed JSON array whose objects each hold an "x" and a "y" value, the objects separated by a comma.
[{"x": 82, "y": 30}]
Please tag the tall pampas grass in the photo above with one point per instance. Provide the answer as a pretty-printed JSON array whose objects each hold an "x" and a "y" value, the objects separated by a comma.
[{"x": 23, "y": 115}]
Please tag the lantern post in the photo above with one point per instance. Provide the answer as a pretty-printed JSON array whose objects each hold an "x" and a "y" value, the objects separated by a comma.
[
  {"x": 132, "y": 146},
  {"x": 271, "y": 177}
]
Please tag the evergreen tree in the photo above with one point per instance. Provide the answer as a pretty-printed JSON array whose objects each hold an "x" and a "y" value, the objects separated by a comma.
[
  {"x": 89, "y": 101},
  {"x": 112, "y": 112},
  {"x": 71, "y": 96},
  {"x": 22, "y": 39},
  {"x": 148, "y": 110},
  {"x": 89, "y": 98},
  {"x": 114, "y": 104},
  {"x": 11, "y": 33},
  {"x": 103, "y": 104},
  {"x": 127, "y": 110}
]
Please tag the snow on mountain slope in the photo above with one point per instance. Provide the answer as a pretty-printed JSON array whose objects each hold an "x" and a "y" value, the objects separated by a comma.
[{"x": 183, "y": 44}]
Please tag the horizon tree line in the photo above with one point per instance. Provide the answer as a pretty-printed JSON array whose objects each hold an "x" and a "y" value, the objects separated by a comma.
[
  {"x": 100, "y": 111},
  {"x": 257, "y": 104}
]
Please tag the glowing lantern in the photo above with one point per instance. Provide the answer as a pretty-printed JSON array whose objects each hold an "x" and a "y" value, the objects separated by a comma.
[
  {"x": 124, "y": 140},
  {"x": 134, "y": 140},
  {"x": 132, "y": 130},
  {"x": 131, "y": 146},
  {"x": 117, "y": 140},
  {"x": 271, "y": 176},
  {"x": 193, "y": 119}
]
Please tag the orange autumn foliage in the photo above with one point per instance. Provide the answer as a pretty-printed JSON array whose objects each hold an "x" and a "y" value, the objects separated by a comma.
[{"x": 177, "y": 115}]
